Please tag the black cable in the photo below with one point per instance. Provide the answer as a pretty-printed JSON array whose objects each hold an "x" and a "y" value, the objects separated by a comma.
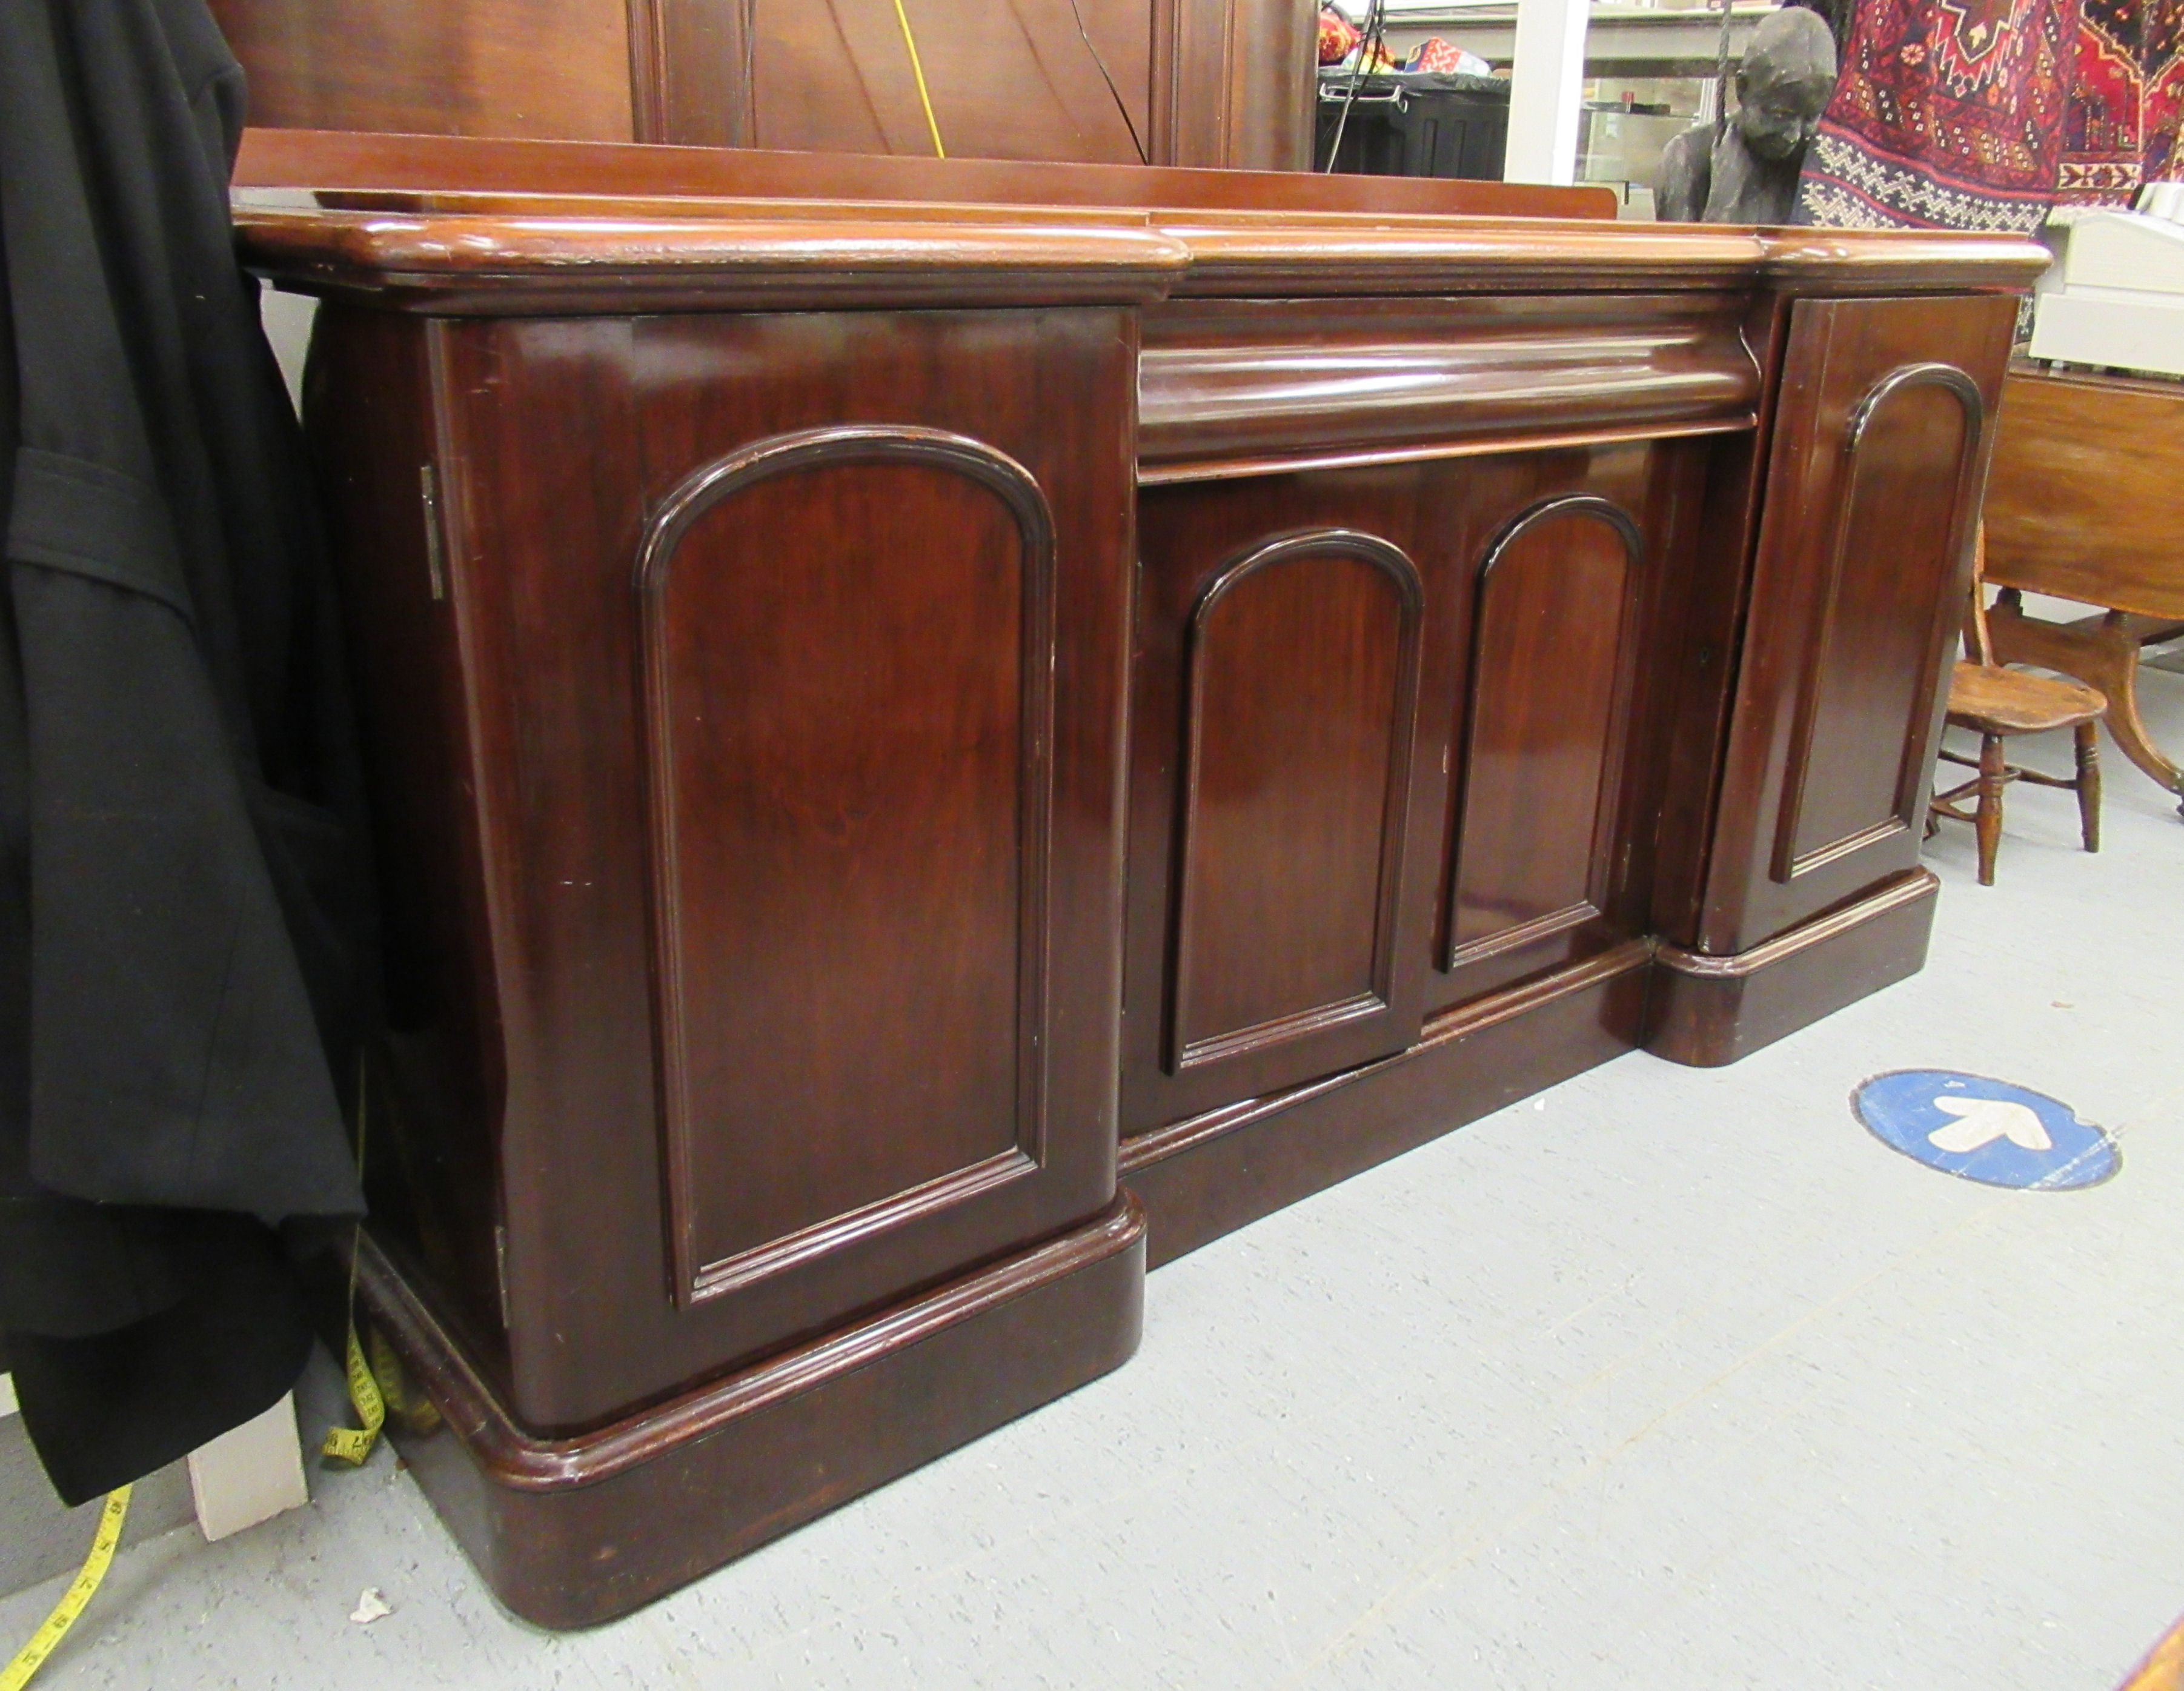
[
  {"x": 1110, "y": 82},
  {"x": 1375, "y": 29}
]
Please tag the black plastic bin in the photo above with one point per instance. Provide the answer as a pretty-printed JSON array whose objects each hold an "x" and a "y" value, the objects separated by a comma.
[{"x": 1415, "y": 123}]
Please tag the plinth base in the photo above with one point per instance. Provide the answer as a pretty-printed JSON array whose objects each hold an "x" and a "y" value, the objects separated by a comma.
[
  {"x": 1710, "y": 1011},
  {"x": 572, "y": 1532},
  {"x": 1209, "y": 1175}
]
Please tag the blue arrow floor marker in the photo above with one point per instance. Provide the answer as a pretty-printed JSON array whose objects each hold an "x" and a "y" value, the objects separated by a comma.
[{"x": 1985, "y": 1129}]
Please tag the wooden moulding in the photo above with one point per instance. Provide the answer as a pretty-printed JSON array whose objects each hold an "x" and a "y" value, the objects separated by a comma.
[
  {"x": 564, "y": 229},
  {"x": 1209, "y": 1175},
  {"x": 347, "y": 159},
  {"x": 573, "y": 1532},
  {"x": 510, "y": 265},
  {"x": 1709, "y": 1011},
  {"x": 540, "y": 258},
  {"x": 1260, "y": 254},
  {"x": 1248, "y": 388}
]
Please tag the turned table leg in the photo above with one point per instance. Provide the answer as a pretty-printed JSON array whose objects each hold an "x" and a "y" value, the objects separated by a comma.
[{"x": 2102, "y": 652}]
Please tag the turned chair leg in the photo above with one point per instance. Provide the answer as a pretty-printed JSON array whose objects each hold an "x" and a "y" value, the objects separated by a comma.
[
  {"x": 2089, "y": 784},
  {"x": 1988, "y": 820}
]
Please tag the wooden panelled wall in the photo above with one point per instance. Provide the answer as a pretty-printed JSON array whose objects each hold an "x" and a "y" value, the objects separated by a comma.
[{"x": 1221, "y": 83}]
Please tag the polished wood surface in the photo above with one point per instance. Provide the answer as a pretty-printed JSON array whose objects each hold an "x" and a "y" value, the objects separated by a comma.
[
  {"x": 555, "y": 600},
  {"x": 1839, "y": 701},
  {"x": 1011, "y": 81},
  {"x": 1276, "y": 747},
  {"x": 1250, "y": 386},
  {"x": 335, "y": 159},
  {"x": 1303, "y": 682},
  {"x": 1224, "y": 1169},
  {"x": 1227, "y": 84},
  {"x": 2081, "y": 504},
  {"x": 573, "y": 1532},
  {"x": 1710, "y": 1011},
  {"x": 552, "y": 70},
  {"x": 1234, "y": 84},
  {"x": 1551, "y": 675},
  {"x": 893, "y": 711}
]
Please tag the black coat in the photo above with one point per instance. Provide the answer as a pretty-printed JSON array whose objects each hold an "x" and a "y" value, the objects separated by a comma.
[{"x": 183, "y": 914}]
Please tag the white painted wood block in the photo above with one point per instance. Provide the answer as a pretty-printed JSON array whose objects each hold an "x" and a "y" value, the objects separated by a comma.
[
  {"x": 250, "y": 1473},
  {"x": 8, "y": 1403},
  {"x": 1546, "y": 91}
]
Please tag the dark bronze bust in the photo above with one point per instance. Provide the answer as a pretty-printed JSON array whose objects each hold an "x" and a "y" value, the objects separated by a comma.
[{"x": 1749, "y": 173}]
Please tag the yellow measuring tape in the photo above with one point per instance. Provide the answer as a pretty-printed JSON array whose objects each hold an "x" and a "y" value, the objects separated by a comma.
[
  {"x": 48, "y": 1638},
  {"x": 917, "y": 70},
  {"x": 349, "y": 1443}
]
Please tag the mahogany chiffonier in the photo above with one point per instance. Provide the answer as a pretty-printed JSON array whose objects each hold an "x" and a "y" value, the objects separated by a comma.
[{"x": 939, "y": 729}]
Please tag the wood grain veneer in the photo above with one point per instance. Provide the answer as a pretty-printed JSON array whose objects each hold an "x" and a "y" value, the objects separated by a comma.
[
  {"x": 888, "y": 713},
  {"x": 291, "y": 158},
  {"x": 1221, "y": 83},
  {"x": 1710, "y": 1011},
  {"x": 1259, "y": 385},
  {"x": 1210, "y": 1173},
  {"x": 1847, "y": 651},
  {"x": 914, "y": 848},
  {"x": 547, "y": 69},
  {"x": 2082, "y": 494},
  {"x": 572, "y": 1531}
]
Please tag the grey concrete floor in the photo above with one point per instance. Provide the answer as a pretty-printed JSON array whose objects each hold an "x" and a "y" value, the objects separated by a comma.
[{"x": 1666, "y": 1378}]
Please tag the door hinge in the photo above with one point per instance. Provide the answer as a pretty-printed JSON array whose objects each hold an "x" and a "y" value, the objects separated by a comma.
[
  {"x": 428, "y": 495},
  {"x": 500, "y": 1272}
]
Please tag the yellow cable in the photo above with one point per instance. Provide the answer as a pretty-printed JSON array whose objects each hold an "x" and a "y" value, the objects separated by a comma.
[
  {"x": 917, "y": 70},
  {"x": 48, "y": 1638}
]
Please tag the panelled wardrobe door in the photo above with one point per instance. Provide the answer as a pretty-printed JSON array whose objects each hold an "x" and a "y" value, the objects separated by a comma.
[
  {"x": 811, "y": 860},
  {"x": 1275, "y": 793},
  {"x": 1882, "y": 438}
]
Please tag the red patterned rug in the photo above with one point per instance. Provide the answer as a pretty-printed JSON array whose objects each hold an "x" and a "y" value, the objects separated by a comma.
[
  {"x": 1950, "y": 115},
  {"x": 2101, "y": 136},
  {"x": 2163, "y": 57},
  {"x": 2120, "y": 129}
]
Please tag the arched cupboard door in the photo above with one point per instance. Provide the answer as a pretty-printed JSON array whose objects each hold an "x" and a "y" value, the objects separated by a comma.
[
  {"x": 1880, "y": 446},
  {"x": 1288, "y": 795},
  {"x": 827, "y": 829},
  {"x": 1541, "y": 744}
]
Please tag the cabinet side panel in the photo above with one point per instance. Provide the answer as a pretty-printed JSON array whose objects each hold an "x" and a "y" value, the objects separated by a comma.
[{"x": 435, "y": 1088}]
